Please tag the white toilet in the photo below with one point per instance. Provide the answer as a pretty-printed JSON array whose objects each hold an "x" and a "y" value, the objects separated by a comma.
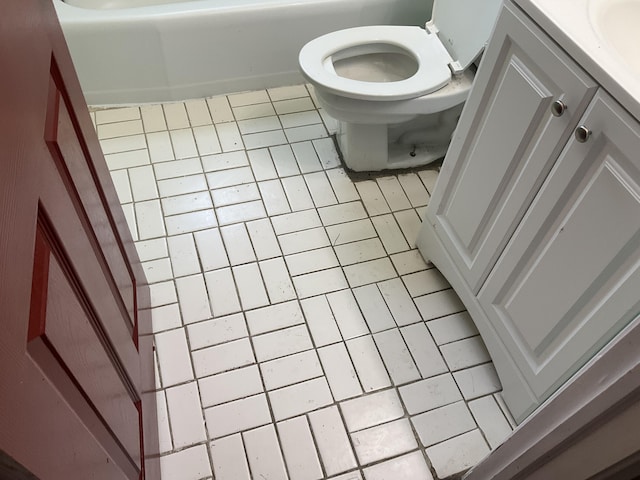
[{"x": 397, "y": 91}]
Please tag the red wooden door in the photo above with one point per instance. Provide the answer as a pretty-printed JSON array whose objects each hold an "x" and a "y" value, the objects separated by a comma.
[{"x": 72, "y": 293}]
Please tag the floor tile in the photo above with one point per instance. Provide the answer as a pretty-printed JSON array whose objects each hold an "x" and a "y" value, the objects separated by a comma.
[
  {"x": 189, "y": 202},
  {"x": 345, "y": 212},
  {"x": 225, "y": 161},
  {"x": 143, "y": 183},
  {"x": 229, "y": 135},
  {"x": 342, "y": 185},
  {"x": 320, "y": 321},
  {"x": 117, "y": 115},
  {"x": 305, "y": 154},
  {"x": 176, "y": 115},
  {"x": 431, "y": 393},
  {"x": 425, "y": 282},
  {"x": 189, "y": 464},
  {"x": 263, "y": 453},
  {"x": 408, "y": 467},
  {"x": 452, "y": 327},
  {"x": 369, "y": 366},
  {"x": 211, "y": 250},
  {"x": 396, "y": 357},
  {"x": 327, "y": 153},
  {"x": 192, "y": 295},
  {"x": 339, "y": 371},
  {"x": 371, "y": 410},
  {"x": 237, "y": 194},
  {"x": 372, "y": 198},
  {"x": 347, "y": 314},
  {"x": 390, "y": 234},
  {"x": 173, "y": 357},
  {"x": 187, "y": 422},
  {"x": 424, "y": 350},
  {"x": 237, "y": 416},
  {"x": 302, "y": 241},
  {"x": 491, "y": 420},
  {"x": 274, "y": 197},
  {"x": 374, "y": 308},
  {"x": 275, "y": 317},
  {"x": 242, "y": 212},
  {"x": 408, "y": 262},
  {"x": 217, "y": 331},
  {"x": 324, "y": 281},
  {"x": 190, "y": 222},
  {"x": 351, "y": 232},
  {"x": 369, "y": 272},
  {"x": 295, "y": 222},
  {"x": 184, "y": 144},
  {"x": 282, "y": 342},
  {"x": 160, "y": 148},
  {"x": 253, "y": 111},
  {"x": 149, "y": 219},
  {"x": 291, "y": 369},
  {"x": 229, "y": 459},
  {"x": 465, "y": 353},
  {"x": 277, "y": 280},
  {"x": 181, "y": 185},
  {"x": 220, "y": 109},
  {"x": 237, "y": 244},
  {"x": 164, "y": 433},
  {"x": 399, "y": 302},
  {"x": 299, "y": 449},
  {"x": 250, "y": 286},
  {"x": 457, "y": 454},
  {"x": 177, "y": 168},
  {"x": 393, "y": 193},
  {"x": 320, "y": 188},
  {"x": 220, "y": 358},
  {"x": 439, "y": 304},
  {"x": 222, "y": 292},
  {"x": 443, "y": 423},
  {"x": 262, "y": 164},
  {"x": 332, "y": 441},
  {"x": 297, "y": 193},
  {"x": 157, "y": 270},
  {"x": 384, "y": 441},
  {"x": 300, "y": 398},
  {"x": 477, "y": 381},
  {"x": 284, "y": 161},
  {"x": 357, "y": 252},
  {"x": 166, "y": 317},
  {"x": 229, "y": 386},
  {"x": 263, "y": 239},
  {"x": 414, "y": 189}
]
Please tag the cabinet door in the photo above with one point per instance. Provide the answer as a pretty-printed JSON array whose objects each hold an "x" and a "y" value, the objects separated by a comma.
[
  {"x": 569, "y": 279},
  {"x": 505, "y": 143}
]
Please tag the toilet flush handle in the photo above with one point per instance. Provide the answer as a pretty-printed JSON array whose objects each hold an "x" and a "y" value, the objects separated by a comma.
[{"x": 558, "y": 108}]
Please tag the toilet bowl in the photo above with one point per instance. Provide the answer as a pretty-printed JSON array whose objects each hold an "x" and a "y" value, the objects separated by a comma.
[{"x": 397, "y": 91}]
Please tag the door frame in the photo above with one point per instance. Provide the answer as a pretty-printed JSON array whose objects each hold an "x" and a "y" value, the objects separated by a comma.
[{"x": 604, "y": 389}]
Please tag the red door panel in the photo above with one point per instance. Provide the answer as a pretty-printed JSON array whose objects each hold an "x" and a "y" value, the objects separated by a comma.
[{"x": 73, "y": 297}]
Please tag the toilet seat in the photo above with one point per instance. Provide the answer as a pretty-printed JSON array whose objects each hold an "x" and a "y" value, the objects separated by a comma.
[{"x": 432, "y": 58}]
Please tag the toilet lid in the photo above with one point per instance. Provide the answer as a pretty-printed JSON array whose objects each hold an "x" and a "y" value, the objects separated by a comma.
[{"x": 432, "y": 58}]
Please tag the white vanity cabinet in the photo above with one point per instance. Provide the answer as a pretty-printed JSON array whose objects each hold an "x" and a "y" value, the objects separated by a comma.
[{"x": 535, "y": 219}]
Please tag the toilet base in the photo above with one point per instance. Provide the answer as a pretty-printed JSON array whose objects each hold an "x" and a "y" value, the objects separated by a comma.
[{"x": 418, "y": 142}]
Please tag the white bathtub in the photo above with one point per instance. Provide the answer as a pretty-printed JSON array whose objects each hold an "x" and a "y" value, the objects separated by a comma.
[{"x": 159, "y": 51}]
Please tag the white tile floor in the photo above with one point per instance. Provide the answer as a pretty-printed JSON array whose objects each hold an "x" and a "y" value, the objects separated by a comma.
[{"x": 299, "y": 334}]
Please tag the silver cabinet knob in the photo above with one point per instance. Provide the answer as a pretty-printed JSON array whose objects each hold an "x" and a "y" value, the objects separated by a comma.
[
  {"x": 558, "y": 108},
  {"x": 582, "y": 134}
]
